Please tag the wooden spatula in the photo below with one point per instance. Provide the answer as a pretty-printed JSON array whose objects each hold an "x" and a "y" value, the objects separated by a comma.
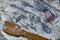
[{"x": 15, "y": 30}]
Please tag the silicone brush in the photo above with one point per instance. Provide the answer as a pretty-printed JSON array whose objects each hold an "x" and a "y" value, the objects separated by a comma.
[{"x": 48, "y": 14}]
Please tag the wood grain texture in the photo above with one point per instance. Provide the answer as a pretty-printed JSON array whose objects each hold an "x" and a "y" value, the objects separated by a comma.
[{"x": 17, "y": 32}]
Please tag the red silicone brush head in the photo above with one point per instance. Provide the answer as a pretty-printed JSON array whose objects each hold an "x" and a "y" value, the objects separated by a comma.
[{"x": 48, "y": 16}]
